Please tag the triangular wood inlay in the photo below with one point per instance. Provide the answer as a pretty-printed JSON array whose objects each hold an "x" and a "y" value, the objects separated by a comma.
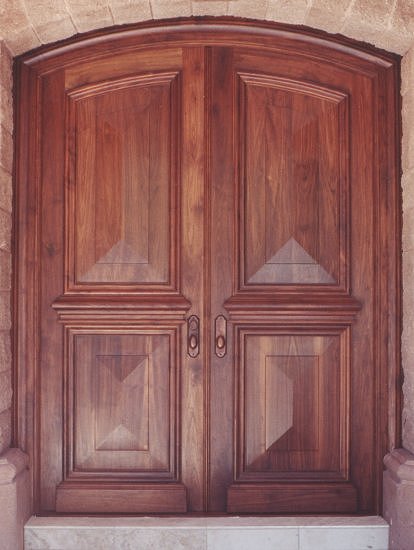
[
  {"x": 122, "y": 366},
  {"x": 291, "y": 253},
  {"x": 122, "y": 252},
  {"x": 120, "y": 437},
  {"x": 291, "y": 264}
]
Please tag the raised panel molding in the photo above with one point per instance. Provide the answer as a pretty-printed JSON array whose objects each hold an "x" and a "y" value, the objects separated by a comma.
[
  {"x": 295, "y": 163},
  {"x": 121, "y": 406},
  {"x": 291, "y": 381},
  {"x": 122, "y": 183},
  {"x": 292, "y": 420}
]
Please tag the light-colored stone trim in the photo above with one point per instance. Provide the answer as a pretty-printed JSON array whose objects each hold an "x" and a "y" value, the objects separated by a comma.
[
  {"x": 12, "y": 463},
  {"x": 400, "y": 465},
  {"x": 5, "y": 430},
  {"x": 15, "y": 498},
  {"x": 25, "y": 24},
  {"x": 399, "y": 498}
]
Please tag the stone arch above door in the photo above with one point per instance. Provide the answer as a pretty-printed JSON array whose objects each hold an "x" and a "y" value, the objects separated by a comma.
[{"x": 26, "y": 24}]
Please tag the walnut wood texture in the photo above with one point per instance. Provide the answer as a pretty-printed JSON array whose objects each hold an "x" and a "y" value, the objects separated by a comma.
[{"x": 207, "y": 168}]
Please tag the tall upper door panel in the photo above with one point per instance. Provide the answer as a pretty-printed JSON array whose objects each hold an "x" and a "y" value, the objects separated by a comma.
[
  {"x": 123, "y": 168},
  {"x": 293, "y": 154},
  {"x": 123, "y": 173}
]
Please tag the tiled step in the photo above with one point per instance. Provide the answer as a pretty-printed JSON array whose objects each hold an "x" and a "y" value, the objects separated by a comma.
[{"x": 212, "y": 533}]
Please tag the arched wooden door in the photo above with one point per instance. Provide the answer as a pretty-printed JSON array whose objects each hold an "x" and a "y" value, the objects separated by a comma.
[{"x": 207, "y": 275}]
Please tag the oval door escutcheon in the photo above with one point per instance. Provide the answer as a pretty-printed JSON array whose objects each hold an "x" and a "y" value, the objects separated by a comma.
[
  {"x": 193, "y": 342},
  {"x": 220, "y": 335},
  {"x": 220, "y": 342},
  {"x": 193, "y": 336}
]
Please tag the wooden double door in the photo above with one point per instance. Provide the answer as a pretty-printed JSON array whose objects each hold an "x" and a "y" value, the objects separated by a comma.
[{"x": 207, "y": 291}]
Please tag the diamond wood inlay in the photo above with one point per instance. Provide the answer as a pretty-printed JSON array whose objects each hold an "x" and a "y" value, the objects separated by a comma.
[
  {"x": 123, "y": 390},
  {"x": 122, "y": 403}
]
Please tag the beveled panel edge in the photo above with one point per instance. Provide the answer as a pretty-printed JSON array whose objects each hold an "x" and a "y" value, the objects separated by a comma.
[
  {"x": 292, "y": 85},
  {"x": 147, "y": 328},
  {"x": 341, "y": 100},
  {"x": 295, "y": 328},
  {"x": 72, "y": 97},
  {"x": 124, "y": 82}
]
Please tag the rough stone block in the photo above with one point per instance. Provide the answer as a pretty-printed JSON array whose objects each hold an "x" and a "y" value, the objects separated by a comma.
[
  {"x": 288, "y": 11},
  {"x": 5, "y": 230},
  {"x": 6, "y": 108},
  {"x": 12, "y": 16},
  {"x": 5, "y": 430},
  {"x": 399, "y": 498},
  {"x": 210, "y": 7},
  {"x": 395, "y": 40},
  {"x": 407, "y": 185},
  {"x": 56, "y": 30},
  {"x": 93, "y": 14},
  {"x": 22, "y": 40},
  {"x": 375, "y": 14},
  {"x": 36, "y": 10},
  {"x": 407, "y": 241},
  {"x": 5, "y": 191},
  {"x": 408, "y": 229},
  {"x": 124, "y": 11},
  {"x": 408, "y": 412},
  {"x": 408, "y": 329},
  {"x": 408, "y": 130},
  {"x": 5, "y": 316},
  {"x": 5, "y": 271},
  {"x": 408, "y": 318},
  {"x": 164, "y": 9},
  {"x": 369, "y": 21},
  {"x": 327, "y": 15},
  {"x": 5, "y": 351},
  {"x": 15, "y": 27},
  {"x": 6, "y": 62},
  {"x": 6, "y": 149},
  {"x": 248, "y": 9},
  {"x": 15, "y": 498},
  {"x": 408, "y": 256},
  {"x": 403, "y": 16},
  {"x": 407, "y": 71},
  {"x": 5, "y": 390}
]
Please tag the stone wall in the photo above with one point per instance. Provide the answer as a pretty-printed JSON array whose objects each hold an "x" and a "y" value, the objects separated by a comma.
[
  {"x": 407, "y": 92},
  {"x": 6, "y": 160},
  {"x": 25, "y": 24}
]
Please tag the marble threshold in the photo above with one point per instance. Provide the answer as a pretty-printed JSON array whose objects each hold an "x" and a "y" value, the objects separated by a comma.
[{"x": 207, "y": 533}]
